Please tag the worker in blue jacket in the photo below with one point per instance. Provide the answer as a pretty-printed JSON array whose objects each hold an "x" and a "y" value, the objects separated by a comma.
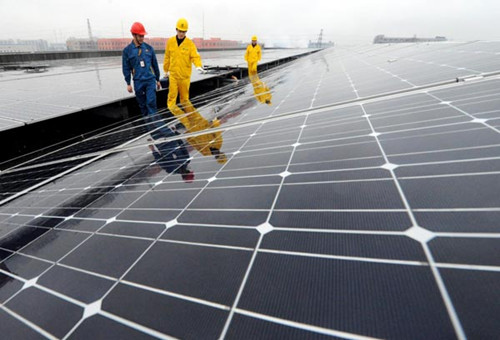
[{"x": 139, "y": 61}]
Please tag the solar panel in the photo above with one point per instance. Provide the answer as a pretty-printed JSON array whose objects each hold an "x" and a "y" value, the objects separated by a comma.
[{"x": 363, "y": 203}]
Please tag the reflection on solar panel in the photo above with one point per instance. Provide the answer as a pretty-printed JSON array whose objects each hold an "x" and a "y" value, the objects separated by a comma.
[
  {"x": 78, "y": 84},
  {"x": 363, "y": 203}
]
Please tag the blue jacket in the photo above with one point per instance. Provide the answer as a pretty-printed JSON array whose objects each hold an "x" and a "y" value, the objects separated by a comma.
[
  {"x": 170, "y": 155},
  {"x": 131, "y": 63}
]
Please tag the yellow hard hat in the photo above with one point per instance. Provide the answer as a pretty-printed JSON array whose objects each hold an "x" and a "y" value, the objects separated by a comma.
[
  {"x": 254, "y": 37},
  {"x": 182, "y": 24}
]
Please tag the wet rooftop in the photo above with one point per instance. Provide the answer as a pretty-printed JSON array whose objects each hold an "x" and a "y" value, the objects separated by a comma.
[{"x": 67, "y": 86}]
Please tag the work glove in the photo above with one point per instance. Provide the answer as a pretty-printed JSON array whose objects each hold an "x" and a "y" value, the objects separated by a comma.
[{"x": 201, "y": 70}]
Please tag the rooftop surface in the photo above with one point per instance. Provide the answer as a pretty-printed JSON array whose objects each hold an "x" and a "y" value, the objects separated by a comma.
[
  {"x": 361, "y": 202},
  {"x": 73, "y": 85}
]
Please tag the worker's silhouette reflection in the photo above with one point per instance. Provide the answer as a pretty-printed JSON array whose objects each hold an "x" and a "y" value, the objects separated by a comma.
[
  {"x": 173, "y": 157},
  {"x": 261, "y": 92}
]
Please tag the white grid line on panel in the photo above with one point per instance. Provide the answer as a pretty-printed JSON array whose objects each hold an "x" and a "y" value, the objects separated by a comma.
[
  {"x": 467, "y": 235},
  {"x": 28, "y": 323},
  {"x": 452, "y": 175},
  {"x": 176, "y": 295},
  {"x": 349, "y": 78},
  {"x": 343, "y": 258},
  {"x": 468, "y": 267},
  {"x": 129, "y": 323},
  {"x": 310, "y": 328},
  {"x": 444, "y": 292}
]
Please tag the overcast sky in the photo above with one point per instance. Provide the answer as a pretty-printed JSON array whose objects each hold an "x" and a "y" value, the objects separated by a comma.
[{"x": 288, "y": 22}]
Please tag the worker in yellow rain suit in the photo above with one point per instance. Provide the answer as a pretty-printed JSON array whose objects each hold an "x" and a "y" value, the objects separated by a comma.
[
  {"x": 180, "y": 53},
  {"x": 207, "y": 144},
  {"x": 253, "y": 56},
  {"x": 261, "y": 91}
]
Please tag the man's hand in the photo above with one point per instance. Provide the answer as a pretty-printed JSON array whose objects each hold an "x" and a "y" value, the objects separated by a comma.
[
  {"x": 201, "y": 70},
  {"x": 129, "y": 88},
  {"x": 158, "y": 85}
]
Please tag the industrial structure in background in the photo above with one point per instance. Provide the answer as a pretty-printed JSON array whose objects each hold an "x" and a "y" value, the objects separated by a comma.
[
  {"x": 89, "y": 44},
  {"x": 382, "y": 39},
  {"x": 319, "y": 43}
]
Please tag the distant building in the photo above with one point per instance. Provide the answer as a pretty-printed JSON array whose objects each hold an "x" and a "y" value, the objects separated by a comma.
[
  {"x": 58, "y": 47},
  {"x": 75, "y": 44},
  {"x": 215, "y": 43},
  {"x": 23, "y": 46},
  {"x": 382, "y": 39},
  {"x": 110, "y": 44},
  {"x": 157, "y": 43},
  {"x": 118, "y": 44}
]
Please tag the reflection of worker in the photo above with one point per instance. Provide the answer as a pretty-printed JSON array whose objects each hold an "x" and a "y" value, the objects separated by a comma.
[
  {"x": 180, "y": 53},
  {"x": 173, "y": 157},
  {"x": 253, "y": 56},
  {"x": 260, "y": 90},
  {"x": 208, "y": 144},
  {"x": 139, "y": 61}
]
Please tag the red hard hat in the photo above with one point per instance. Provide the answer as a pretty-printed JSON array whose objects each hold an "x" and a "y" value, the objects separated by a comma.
[{"x": 138, "y": 28}]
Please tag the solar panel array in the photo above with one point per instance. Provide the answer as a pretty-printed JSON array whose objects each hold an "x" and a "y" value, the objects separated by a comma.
[{"x": 362, "y": 203}]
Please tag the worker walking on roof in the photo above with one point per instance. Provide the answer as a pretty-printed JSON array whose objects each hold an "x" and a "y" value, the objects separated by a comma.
[
  {"x": 139, "y": 61},
  {"x": 180, "y": 53},
  {"x": 253, "y": 55}
]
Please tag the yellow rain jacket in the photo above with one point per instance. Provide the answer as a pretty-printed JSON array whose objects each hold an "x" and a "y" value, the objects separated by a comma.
[
  {"x": 253, "y": 54},
  {"x": 178, "y": 59}
]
